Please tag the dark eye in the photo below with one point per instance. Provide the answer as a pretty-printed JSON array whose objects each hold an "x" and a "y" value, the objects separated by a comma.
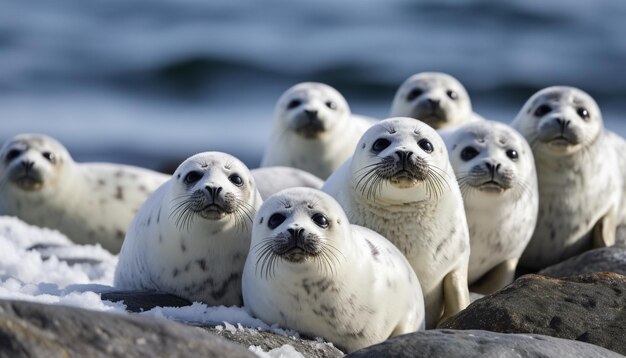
[
  {"x": 49, "y": 156},
  {"x": 320, "y": 220},
  {"x": 453, "y": 95},
  {"x": 12, "y": 154},
  {"x": 294, "y": 103},
  {"x": 275, "y": 220},
  {"x": 236, "y": 179},
  {"x": 512, "y": 154},
  {"x": 332, "y": 105},
  {"x": 192, "y": 177},
  {"x": 468, "y": 153},
  {"x": 583, "y": 113},
  {"x": 380, "y": 144},
  {"x": 543, "y": 110},
  {"x": 415, "y": 92},
  {"x": 426, "y": 145}
]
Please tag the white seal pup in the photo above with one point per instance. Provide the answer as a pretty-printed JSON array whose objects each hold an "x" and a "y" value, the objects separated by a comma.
[
  {"x": 271, "y": 180},
  {"x": 310, "y": 270},
  {"x": 580, "y": 185},
  {"x": 435, "y": 98},
  {"x": 495, "y": 170},
  {"x": 91, "y": 203},
  {"x": 400, "y": 183},
  {"x": 192, "y": 236},
  {"x": 313, "y": 130}
]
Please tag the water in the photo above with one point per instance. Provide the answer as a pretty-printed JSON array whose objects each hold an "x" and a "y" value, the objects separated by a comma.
[{"x": 149, "y": 82}]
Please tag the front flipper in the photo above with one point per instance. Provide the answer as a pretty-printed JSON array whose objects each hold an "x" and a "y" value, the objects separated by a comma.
[
  {"x": 604, "y": 230},
  {"x": 455, "y": 292},
  {"x": 496, "y": 278}
]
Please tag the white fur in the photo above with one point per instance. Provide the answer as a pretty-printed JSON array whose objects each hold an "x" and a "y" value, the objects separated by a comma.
[
  {"x": 91, "y": 203},
  {"x": 578, "y": 184},
  {"x": 201, "y": 260},
  {"x": 322, "y": 154},
  {"x": 501, "y": 223},
  {"x": 271, "y": 180},
  {"x": 366, "y": 293},
  {"x": 434, "y": 86},
  {"x": 429, "y": 229}
]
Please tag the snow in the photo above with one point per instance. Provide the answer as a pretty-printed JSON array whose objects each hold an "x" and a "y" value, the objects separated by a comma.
[{"x": 41, "y": 265}]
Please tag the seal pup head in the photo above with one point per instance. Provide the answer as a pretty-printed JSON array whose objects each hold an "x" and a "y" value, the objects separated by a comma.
[
  {"x": 400, "y": 160},
  {"x": 310, "y": 110},
  {"x": 491, "y": 158},
  {"x": 215, "y": 187},
  {"x": 435, "y": 98},
  {"x": 302, "y": 228},
  {"x": 559, "y": 121},
  {"x": 33, "y": 163}
]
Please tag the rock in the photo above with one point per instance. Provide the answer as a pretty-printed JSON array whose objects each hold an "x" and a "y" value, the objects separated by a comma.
[
  {"x": 34, "y": 330},
  {"x": 606, "y": 259},
  {"x": 137, "y": 301},
  {"x": 268, "y": 341},
  {"x": 588, "y": 308},
  {"x": 468, "y": 344}
]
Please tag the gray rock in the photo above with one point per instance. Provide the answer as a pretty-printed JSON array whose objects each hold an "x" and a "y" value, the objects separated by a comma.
[
  {"x": 589, "y": 308},
  {"x": 483, "y": 344},
  {"x": 137, "y": 301},
  {"x": 607, "y": 259},
  {"x": 35, "y": 330}
]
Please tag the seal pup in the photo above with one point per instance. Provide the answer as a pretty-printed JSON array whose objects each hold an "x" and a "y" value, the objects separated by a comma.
[
  {"x": 271, "y": 180},
  {"x": 313, "y": 130},
  {"x": 435, "y": 98},
  {"x": 192, "y": 235},
  {"x": 310, "y": 270},
  {"x": 400, "y": 183},
  {"x": 580, "y": 185},
  {"x": 91, "y": 203},
  {"x": 495, "y": 169}
]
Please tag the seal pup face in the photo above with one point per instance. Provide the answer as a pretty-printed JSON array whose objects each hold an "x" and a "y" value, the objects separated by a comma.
[
  {"x": 32, "y": 162},
  {"x": 438, "y": 99},
  {"x": 559, "y": 121},
  {"x": 400, "y": 160},
  {"x": 310, "y": 109},
  {"x": 212, "y": 186},
  {"x": 300, "y": 227},
  {"x": 490, "y": 158}
]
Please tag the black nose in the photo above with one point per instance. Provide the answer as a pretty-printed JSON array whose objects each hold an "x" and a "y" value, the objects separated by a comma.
[
  {"x": 295, "y": 233},
  {"x": 493, "y": 169},
  {"x": 213, "y": 191},
  {"x": 434, "y": 103},
  {"x": 403, "y": 155},
  {"x": 563, "y": 123},
  {"x": 28, "y": 165},
  {"x": 310, "y": 114}
]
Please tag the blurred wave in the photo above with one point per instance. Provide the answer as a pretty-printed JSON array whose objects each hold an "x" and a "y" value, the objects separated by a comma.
[{"x": 149, "y": 81}]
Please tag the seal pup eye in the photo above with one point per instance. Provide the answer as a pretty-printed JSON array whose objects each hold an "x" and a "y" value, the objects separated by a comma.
[
  {"x": 275, "y": 220},
  {"x": 50, "y": 157},
  {"x": 236, "y": 179},
  {"x": 543, "y": 110},
  {"x": 380, "y": 144},
  {"x": 192, "y": 177},
  {"x": 512, "y": 154},
  {"x": 415, "y": 92},
  {"x": 320, "y": 220},
  {"x": 332, "y": 105},
  {"x": 12, "y": 154},
  {"x": 583, "y": 113},
  {"x": 469, "y": 153},
  {"x": 453, "y": 95},
  {"x": 426, "y": 145},
  {"x": 294, "y": 103}
]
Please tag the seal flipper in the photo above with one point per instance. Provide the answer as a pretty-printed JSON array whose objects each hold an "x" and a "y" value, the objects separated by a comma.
[
  {"x": 455, "y": 292},
  {"x": 604, "y": 230},
  {"x": 498, "y": 277}
]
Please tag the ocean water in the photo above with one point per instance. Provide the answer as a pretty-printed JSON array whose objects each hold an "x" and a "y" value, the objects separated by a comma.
[{"x": 150, "y": 82}]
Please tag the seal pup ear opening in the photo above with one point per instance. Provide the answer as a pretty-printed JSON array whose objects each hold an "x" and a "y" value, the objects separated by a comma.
[{"x": 308, "y": 269}]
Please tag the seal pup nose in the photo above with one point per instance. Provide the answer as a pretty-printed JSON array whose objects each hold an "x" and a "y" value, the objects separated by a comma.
[
  {"x": 404, "y": 155},
  {"x": 213, "y": 190},
  {"x": 296, "y": 232},
  {"x": 28, "y": 164},
  {"x": 493, "y": 168},
  {"x": 311, "y": 114},
  {"x": 433, "y": 103}
]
